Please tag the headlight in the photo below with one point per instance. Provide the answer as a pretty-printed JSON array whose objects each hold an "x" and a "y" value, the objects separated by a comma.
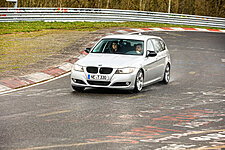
[
  {"x": 124, "y": 70},
  {"x": 78, "y": 68}
]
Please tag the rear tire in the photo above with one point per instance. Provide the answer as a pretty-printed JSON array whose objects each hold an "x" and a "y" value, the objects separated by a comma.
[
  {"x": 166, "y": 77},
  {"x": 139, "y": 82},
  {"x": 78, "y": 89}
]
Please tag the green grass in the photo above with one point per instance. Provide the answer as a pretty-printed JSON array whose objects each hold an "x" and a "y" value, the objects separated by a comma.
[
  {"x": 13, "y": 27},
  {"x": 21, "y": 49}
]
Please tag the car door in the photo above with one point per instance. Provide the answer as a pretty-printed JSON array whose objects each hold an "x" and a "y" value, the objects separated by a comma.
[
  {"x": 160, "y": 48},
  {"x": 150, "y": 65}
]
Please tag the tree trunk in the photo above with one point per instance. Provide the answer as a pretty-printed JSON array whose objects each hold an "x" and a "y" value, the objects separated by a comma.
[{"x": 107, "y": 6}]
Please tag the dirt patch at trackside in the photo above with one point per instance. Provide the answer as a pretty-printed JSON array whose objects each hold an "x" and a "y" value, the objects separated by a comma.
[{"x": 25, "y": 53}]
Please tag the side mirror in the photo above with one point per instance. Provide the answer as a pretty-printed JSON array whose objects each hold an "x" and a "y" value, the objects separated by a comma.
[
  {"x": 87, "y": 50},
  {"x": 151, "y": 53}
]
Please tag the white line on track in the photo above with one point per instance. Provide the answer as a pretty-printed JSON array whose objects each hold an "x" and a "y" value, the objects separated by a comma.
[{"x": 15, "y": 90}]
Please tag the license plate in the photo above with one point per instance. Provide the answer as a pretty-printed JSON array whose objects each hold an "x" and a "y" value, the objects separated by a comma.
[{"x": 98, "y": 77}]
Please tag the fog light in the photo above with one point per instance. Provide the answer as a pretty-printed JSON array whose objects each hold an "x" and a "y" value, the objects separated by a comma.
[
  {"x": 127, "y": 83},
  {"x": 74, "y": 80}
]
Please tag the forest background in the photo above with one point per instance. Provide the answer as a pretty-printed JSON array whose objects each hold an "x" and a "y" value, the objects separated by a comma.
[{"x": 214, "y": 8}]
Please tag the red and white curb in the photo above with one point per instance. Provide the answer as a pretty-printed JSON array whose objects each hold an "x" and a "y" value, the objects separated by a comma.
[
  {"x": 10, "y": 84},
  {"x": 126, "y": 31}
]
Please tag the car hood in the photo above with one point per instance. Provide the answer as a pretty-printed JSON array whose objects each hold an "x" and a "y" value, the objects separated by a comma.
[{"x": 111, "y": 60}]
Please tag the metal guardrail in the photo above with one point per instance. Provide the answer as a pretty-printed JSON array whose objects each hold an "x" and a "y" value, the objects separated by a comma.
[{"x": 104, "y": 15}]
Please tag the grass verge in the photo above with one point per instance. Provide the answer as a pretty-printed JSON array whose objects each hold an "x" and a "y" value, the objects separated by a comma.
[
  {"x": 21, "y": 49},
  {"x": 13, "y": 27}
]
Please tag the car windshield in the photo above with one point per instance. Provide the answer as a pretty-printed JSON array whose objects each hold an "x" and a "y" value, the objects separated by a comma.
[{"x": 120, "y": 46}]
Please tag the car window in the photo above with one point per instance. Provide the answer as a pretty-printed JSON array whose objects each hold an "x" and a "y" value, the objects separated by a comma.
[
  {"x": 163, "y": 45},
  {"x": 157, "y": 45},
  {"x": 120, "y": 46},
  {"x": 99, "y": 47},
  {"x": 150, "y": 46}
]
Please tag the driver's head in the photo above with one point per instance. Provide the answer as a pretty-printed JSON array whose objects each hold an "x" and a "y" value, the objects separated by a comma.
[
  {"x": 139, "y": 48},
  {"x": 114, "y": 45}
]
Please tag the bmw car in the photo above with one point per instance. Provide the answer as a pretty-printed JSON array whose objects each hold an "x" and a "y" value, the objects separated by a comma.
[{"x": 128, "y": 62}]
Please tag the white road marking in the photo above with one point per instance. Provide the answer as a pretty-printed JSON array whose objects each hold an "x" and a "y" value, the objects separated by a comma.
[
  {"x": 38, "y": 76},
  {"x": 15, "y": 90},
  {"x": 157, "y": 29},
  {"x": 66, "y": 66},
  {"x": 177, "y": 29},
  {"x": 3, "y": 88}
]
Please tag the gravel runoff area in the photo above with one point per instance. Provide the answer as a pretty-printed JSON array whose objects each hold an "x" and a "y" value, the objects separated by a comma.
[{"x": 33, "y": 52}]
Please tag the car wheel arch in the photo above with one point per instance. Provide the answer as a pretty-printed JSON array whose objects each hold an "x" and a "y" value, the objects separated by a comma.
[
  {"x": 142, "y": 72},
  {"x": 164, "y": 73},
  {"x": 136, "y": 86},
  {"x": 168, "y": 63}
]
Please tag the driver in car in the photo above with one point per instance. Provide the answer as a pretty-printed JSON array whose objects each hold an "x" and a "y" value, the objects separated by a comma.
[
  {"x": 114, "y": 47},
  {"x": 139, "y": 49}
]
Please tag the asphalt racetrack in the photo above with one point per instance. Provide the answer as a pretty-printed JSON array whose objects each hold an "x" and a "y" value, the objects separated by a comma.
[{"x": 188, "y": 113}]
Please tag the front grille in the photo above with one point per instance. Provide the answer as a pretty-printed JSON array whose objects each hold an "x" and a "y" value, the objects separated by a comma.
[
  {"x": 102, "y": 70},
  {"x": 92, "y": 69},
  {"x": 105, "y": 70},
  {"x": 103, "y": 83}
]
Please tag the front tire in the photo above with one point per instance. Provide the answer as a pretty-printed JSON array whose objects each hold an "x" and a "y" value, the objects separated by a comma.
[
  {"x": 166, "y": 77},
  {"x": 78, "y": 89},
  {"x": 139, "y": 82}
]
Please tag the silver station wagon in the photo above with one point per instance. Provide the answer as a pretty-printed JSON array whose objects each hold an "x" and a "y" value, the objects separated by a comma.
[{"x": 128, "y": 62}]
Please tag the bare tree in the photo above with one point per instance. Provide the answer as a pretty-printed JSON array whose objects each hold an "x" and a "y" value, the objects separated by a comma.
[{"x": 195, "y": 7}]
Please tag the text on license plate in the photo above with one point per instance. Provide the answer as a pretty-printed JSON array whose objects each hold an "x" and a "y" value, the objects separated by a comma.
[{"x": 97, "y": 77}]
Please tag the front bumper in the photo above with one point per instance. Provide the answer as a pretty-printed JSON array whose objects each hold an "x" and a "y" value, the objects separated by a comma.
[{"x": 115, "y": 81}]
